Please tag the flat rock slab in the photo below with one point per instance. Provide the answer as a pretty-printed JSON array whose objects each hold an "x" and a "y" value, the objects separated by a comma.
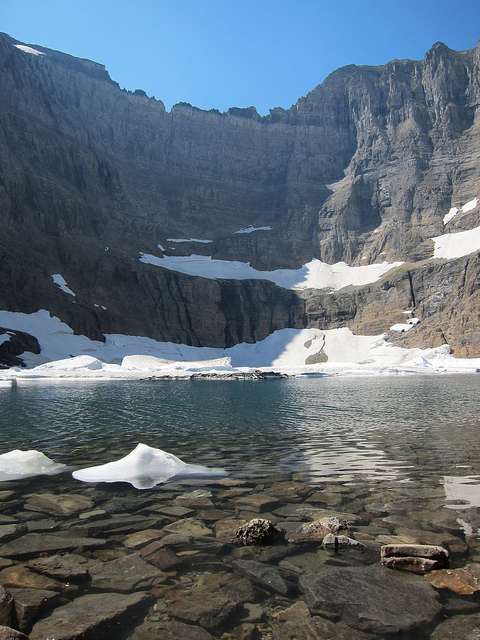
[
  {"x": 371, "y": 598},
  {"x": 92, "y": 616},
  {"x": 316, "y": 629},
  {"x": 208, "y": 610},
  {"x": 69, "y": 566},
  {"x": 257, "y": 502},
  {"x": 58, "y": 504},
  {"x": 36, "y": 543},
  {"x": 458, "y": 628},
  {"x": 173, "y": 630},
  {"x": 269, "y": 578},
  {"x": 22, "y": 577},
  {"x": 30, "y": 604},
  {"x": 188, "y": 527},
  {"x": 125, "y": 574}
]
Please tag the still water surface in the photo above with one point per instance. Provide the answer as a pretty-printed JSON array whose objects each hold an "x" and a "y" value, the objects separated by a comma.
[{"x": 402, "y": 454}]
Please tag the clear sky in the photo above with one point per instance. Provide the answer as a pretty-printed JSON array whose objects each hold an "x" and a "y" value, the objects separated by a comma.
[{"x": 220, "y": 53}]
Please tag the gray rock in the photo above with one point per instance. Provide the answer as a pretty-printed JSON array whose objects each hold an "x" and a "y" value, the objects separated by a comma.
[
  {"x": 58, "y": 504},
  {"x": 332, "y": 541},
  {"x": 105, "y": 612},
  {"x": 241, "y": 591},
  {"x": 69, "y": 566},
  {"x": 269, "y": 578},
  {"x": 353, "y": 595}
]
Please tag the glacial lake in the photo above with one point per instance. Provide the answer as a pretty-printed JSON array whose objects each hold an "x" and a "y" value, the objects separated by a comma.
[{"x": 401, "y": 454}]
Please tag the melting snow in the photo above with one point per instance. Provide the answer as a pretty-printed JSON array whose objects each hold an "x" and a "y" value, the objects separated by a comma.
[
  {"x": 314, "y": 275},
  {"x": 24, "y": 47},
  {"x": 143, "y": 468},
  {"x": 470, "y": 206},
  {"x": 58, "y": 279},
  {"x": 17, "y": 464}
]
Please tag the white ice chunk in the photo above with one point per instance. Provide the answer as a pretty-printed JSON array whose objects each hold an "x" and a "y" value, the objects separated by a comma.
[
  {"x": 451, "y": 214},
  {"x": 60, "y": 280},
  {"x": 26, "y": 49},
  {"x": 18, "y": 464},
  {"x": 457, "y": 245},
  {"x": 144, "y": 468},
  {"x": 470, "y": 206},
  {"x": 251, "y": 229},
  {"x": 76, "y": 363}
]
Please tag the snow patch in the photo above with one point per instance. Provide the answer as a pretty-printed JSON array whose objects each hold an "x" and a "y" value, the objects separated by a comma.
[
  {"x": 188, "y": 240},
  {"x": 470, "y": 206},
  {"x": 18, "y": 464},
  {"x": 27, "y": 49},
  {"x": 314, "y": 275},
  {"x": 60, "y": 281},
  {"x": 251, "y": 229},
  {"x": 401, "y": 327},
  {"x": 456, "y": 245},
  {"x": 144, "y": 468}
]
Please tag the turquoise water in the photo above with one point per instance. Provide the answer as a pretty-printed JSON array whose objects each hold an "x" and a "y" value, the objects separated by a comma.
[{"x": 336, "y": 428}]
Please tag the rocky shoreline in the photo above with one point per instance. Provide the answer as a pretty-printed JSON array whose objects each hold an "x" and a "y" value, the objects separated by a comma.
[{"x": 186, "y": 560}]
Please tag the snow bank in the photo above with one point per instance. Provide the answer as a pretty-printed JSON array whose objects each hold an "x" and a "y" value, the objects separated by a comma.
[
  {"x": 313, "y": 275},
  {"x": 143, "y": 468},
  {"x": 17, "y": 464},
  {"x": 457, "y": 245},
  {"x": 290, "y": 351}
]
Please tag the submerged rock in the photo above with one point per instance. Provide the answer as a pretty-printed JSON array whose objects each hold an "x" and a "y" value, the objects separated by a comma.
[
  {"x": 457, "y": 580},
  {"x": 417, "y": 558},
  {"x": 317, "y": 530}
]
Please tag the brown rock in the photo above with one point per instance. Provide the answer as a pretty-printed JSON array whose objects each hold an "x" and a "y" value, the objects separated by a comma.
[
  {"x": 457, "y": 580},
  {"x": 257, "y": 502},
  {"x": 188, "y": 527},
  {"x": 140, "y": 539},
  {"x": 6, "y": 606},
  {"x": 298, "y": 611},
  {"x": 127, "y": 574},
  {"x": 412, "y": 564},
  {"x": 69, "y": 566},
  {"x": 161, "y": 557},
  {"x": 6, "y": 633},
  {"x": 22, "y": 577},
  {"x": 316, "y": 629},
  {"x": 171, "y": 630},
  {"x": 257, "y": 531}
]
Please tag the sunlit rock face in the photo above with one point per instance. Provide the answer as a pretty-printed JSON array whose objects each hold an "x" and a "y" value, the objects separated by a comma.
[{"x": 363, "y": 169}]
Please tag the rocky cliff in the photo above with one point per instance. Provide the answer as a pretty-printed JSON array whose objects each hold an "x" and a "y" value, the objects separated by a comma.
[{"x": 363, "y": 169}]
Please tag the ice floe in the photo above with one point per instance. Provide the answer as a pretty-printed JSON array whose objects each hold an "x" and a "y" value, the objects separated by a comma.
[
  {"x": 144, "y": 468},
  {"x": 18, "y": 464},
  {"x": 313, "y": 275}
]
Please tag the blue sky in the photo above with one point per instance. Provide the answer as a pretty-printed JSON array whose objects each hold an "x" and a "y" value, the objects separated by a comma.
[{"x": 219, "y": 54}]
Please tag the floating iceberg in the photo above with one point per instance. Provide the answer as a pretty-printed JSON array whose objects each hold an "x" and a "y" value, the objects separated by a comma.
[
  {"x": 17, "y": 464},
  {"x": 144, "y": 468}
]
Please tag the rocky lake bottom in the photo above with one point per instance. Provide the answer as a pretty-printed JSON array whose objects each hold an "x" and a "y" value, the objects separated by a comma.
[{"x": 395, "y": 462}]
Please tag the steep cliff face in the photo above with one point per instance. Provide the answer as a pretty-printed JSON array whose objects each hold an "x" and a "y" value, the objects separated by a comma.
[{"x": 362, "y": 169}]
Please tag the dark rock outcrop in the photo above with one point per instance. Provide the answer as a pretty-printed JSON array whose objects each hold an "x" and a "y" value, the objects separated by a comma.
[{"x": 362, "y": 169}]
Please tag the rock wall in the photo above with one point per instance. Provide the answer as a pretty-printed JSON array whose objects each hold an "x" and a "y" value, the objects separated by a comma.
[{"x": 362, "y": 169}]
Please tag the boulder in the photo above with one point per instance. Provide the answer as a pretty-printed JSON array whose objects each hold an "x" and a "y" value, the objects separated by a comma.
[{"x": 257, "y": 531}]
